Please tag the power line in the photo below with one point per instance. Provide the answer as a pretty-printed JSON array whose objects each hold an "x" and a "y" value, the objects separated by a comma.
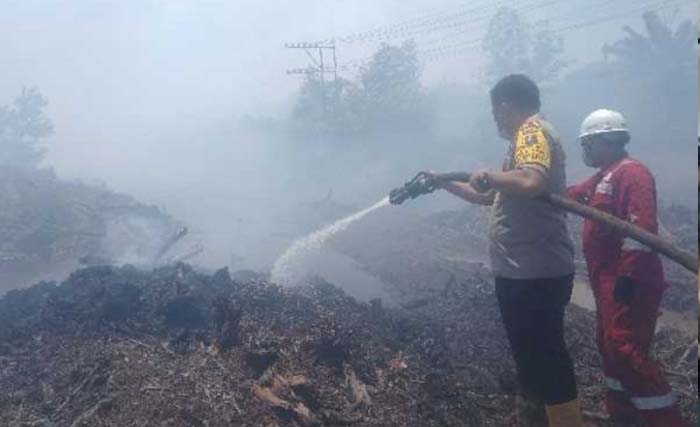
[
  {"x": 452, "y": 50},
  {"x": 319, "y": 66},
  {"x": 524, "y": 9},
  {"x": 411, "y": 23},
  {"x": 465, "y": 25},
  {"x": 483, "y": 17},
  {"x": 591, "y": 22},
  {"x": 458, "y": 20}
]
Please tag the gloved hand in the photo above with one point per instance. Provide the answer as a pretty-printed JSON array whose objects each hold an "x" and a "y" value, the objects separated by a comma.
[{"x": 625, "y": 288}]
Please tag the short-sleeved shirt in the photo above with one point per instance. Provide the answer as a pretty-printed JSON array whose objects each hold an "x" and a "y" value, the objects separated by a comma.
[{"x": 529, "y": 237}]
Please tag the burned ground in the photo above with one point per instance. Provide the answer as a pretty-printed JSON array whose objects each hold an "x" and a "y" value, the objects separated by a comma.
[
  {"x": 49, "y": 226},
  {"x": 124, "y": 347},
  {"x": 414, "y": 254}
]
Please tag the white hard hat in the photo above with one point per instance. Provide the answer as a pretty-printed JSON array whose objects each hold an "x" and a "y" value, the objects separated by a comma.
[{"x": 603, "y": 121}]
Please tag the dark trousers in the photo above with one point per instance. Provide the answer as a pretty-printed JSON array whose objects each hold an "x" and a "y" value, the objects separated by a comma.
[{"x": 533, "y": 315}]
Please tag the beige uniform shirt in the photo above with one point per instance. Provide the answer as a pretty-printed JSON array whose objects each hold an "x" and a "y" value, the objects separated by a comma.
[{"x": 528, "y": 237}]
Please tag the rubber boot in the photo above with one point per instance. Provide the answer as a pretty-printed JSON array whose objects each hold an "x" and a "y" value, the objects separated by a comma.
[
  {"x": 566, "y": 414},
  {"x": 529, "y": 412}
]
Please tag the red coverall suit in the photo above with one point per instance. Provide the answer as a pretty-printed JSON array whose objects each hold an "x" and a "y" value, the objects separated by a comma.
[{"x": 636, "y": 386}]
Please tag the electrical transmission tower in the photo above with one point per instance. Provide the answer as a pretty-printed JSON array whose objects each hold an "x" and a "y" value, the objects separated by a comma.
[{"x": 320, "y": 65}]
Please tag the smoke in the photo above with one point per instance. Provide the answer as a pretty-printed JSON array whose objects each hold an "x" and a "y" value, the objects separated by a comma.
[{"x": 186, "y": 105}]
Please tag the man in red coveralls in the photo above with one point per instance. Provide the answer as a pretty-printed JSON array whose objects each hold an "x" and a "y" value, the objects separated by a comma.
[{"x": 627, "y": 278}]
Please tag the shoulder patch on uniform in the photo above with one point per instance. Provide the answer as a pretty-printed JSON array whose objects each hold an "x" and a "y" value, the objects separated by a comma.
[{"x": 532, "y": 146}]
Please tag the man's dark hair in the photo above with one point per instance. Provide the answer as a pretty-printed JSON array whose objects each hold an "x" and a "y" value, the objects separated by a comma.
[{"x": 518, "y": 90}]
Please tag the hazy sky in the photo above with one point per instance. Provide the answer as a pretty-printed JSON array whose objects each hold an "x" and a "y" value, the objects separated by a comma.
[
  {"x": 142, "y": 92},
  {"x": 121, "y": 75}
]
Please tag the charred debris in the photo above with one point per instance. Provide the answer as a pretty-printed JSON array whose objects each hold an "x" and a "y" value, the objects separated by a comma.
[{"x": 116, "y": 346}]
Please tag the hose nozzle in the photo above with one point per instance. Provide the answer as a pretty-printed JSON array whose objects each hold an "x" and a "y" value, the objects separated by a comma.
[
  {"x": 419, "y": 185},
  {"x": 423, "y": 184}
]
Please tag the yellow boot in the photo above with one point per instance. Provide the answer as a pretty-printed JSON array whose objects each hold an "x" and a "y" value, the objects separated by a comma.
[{"x": 566, "y": 414}]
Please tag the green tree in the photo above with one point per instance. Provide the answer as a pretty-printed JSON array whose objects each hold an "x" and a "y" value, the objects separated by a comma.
[
  {"x": 660, "y": 46},
  {"x": 658, "y": 63},
  {"x": 23, "y": 127},
  {"x": 326, "y": 108},
  {"x": 655, "y": 68},
  {"x": 386, "y": 99},
  {"x": 392, "y": 91},
  {"x": 649, "y": 76},
  {"x": 511, "y": 46}
]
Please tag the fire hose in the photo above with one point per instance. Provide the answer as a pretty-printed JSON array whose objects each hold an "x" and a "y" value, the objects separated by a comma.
[{"x": 424, "y": 184}]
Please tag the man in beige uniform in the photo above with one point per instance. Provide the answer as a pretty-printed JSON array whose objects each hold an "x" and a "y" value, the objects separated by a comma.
[{"x": 531, "y": 252}]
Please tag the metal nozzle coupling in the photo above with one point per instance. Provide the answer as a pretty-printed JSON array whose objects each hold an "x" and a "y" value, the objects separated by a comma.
[{"x": 419, "y": 185}]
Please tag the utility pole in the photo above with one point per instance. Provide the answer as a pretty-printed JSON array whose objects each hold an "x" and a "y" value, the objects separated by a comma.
[
  {"x": 315, "y": 52},
  {"x": 318, "y": 64}
]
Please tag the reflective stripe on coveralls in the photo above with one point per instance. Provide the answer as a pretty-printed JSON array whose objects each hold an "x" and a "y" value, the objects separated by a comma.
[{"x": 643, "y": 403}]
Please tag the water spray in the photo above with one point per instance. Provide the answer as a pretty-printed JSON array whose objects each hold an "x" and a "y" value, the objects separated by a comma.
[{"x": 288, "y": 269}]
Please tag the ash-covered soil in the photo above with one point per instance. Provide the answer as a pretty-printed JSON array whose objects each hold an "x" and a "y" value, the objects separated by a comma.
[{"x": 175, "y": 347}]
